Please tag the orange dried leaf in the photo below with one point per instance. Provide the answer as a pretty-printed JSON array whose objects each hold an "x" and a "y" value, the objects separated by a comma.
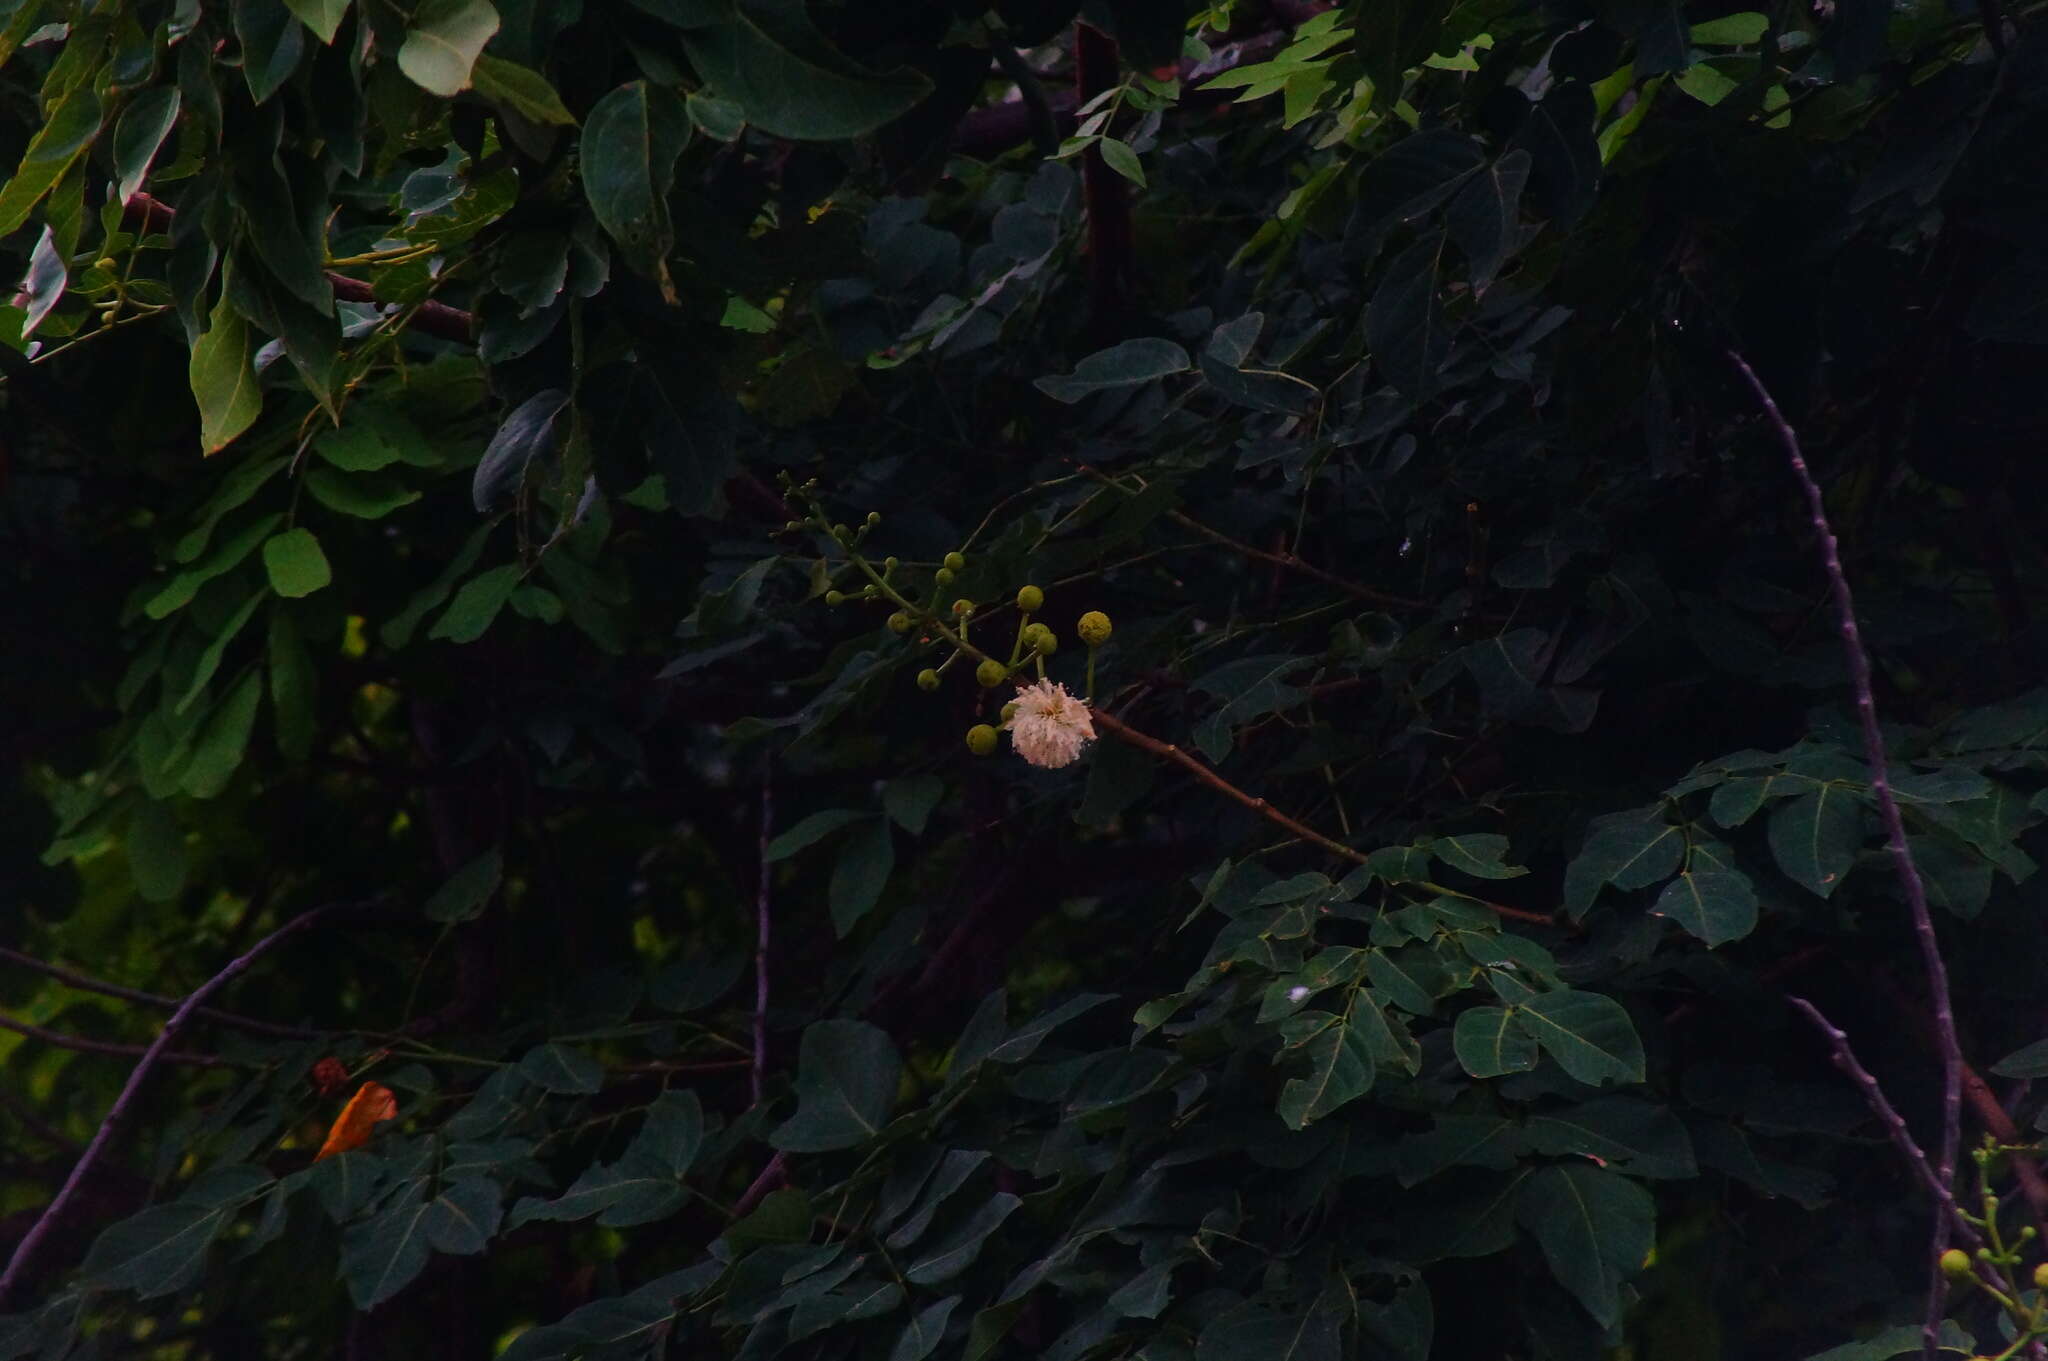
[{"x": 372, "y": 1104}]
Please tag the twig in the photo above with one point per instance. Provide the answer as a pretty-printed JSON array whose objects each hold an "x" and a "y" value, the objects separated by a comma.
[
  {"x": 35, "y": 1124},
  {"x": 1941, "y": 1188},
  {"x": 1291, "y": 561},
  {"x": 762, "y": 920},
  {"x": 1908, "y": 873},
  {"x": 1124, "y": 732},
  {"x": 1045, "y": 129},
  {"x": 85, "y": 1046},
  {"x": 772, "y": 1178},
  {"x": 87, "y": 983},
  {"x": 24, "y": 1251}
]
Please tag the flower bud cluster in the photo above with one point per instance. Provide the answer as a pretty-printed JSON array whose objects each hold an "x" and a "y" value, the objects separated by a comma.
[{"x": 1048, "y": 725}]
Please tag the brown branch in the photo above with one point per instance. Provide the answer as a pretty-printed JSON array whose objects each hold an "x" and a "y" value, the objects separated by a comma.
[
  {"x": 110, "y": 1047},
  {"x": 1124, "y": 732},
  {"x": 87, "y": 983},
  {"x": 1105, "y": 196},
  {"x": 24, "y": 1251}
]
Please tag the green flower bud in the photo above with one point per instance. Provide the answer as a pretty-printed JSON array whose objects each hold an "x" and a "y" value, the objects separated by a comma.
[
  {"x": 1030, "y": 598},
  {"x": 1045, "y": 642},
  {"x": 835, "y": 597},
  {"x": 793, "y": 526},
  {"x": 2041, "y": 1276},
  {"x": 944, "y": 576},
  {"x": 1094, "y": 628},
  {"x": 927, "y": 679},
  {"x": 956, "y": 561},
  {"x": 991, "y": 673},
  {"x": 1955, "y": 1264},
  {"x": 841, "y": 532},
  {"x": 963, "y": 607},
  {"x": 1009, "y": 711},
  {"x": 890, "y": 564},
  {"x": 874, "y": 518},
  {"x": 899, "y": 622},
  {"x": 981, "y": 739}
]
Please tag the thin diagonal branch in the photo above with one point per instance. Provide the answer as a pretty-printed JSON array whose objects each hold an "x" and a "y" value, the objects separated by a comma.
[
  {"x": 80, "y": 1044},
  {"x": 762, "y": 932},
  {"x": 1124, "y": 732},
  {"x": 1903, "y": 867},
  {"x": 24, "y": 1251},
  {"x": 87, "y": 983},
  {"x": 1942, "y": 1189}
]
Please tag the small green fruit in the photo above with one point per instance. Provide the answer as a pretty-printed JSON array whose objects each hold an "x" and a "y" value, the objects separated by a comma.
[
  {"x": 991, "y": 673},
  {"x": 899, "y": 622},
  {"x": 1955, "y": 1264},
  {"x": 956, "y": 561},
  {"x": 927, "y": 679},
  {"x": 1094, "y": 628},
  {"x": 1030, "y": 599},
  {"x": 835, "y": 597},
  {"x": 981, "y": 739},
  {"x": 944, "y": 576}
]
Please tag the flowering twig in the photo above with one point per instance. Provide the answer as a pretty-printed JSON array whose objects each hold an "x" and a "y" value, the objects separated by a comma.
[
  {"x": 1124, "y": 732},
  {"x": 1903, "y": 867},
  {"x": 761, "y": 938},
  {"x": 24, "y": 1251},
  {"x": 87, "y": 983}
]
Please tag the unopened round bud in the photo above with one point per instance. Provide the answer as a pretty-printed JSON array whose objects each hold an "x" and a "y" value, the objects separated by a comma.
[
  {"x": 1955, "y": 1264},
  {"x": 874, "y": 518},
  {"x": 890, "y": 564},
  {"x": 1009, "y": 711},
  {"x": 981, "y": 739},
  {"x": 2041, "y": 1276},
  {"x": 963, "y": 607},
  {"x": 841, "y": 532},
  {"x": 1045, "y": 642},
  {"x": 944, "y": 576},
  {"x": 1030, "y": 598},
  {"x": 899, "y": 622},
  {"x": 991, "y": 673},
  {"x": 793, "y": 526},
  {"x": 835, "y": 597},
  {"x": 1094, "y": 628},
  {"x": 956, "y": 561},
  {"x": 927, "y": 679}
]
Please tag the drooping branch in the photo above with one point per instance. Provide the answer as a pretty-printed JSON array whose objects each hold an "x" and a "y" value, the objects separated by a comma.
[
  {"x": 24, "y": 1251},
  {"x": 1908, "y": 873}
]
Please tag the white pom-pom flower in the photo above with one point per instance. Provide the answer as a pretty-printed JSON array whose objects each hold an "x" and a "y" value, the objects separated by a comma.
[{"x": 1050, "y": 726}]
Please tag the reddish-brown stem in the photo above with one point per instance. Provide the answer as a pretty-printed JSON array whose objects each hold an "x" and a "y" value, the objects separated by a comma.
[
  {"x": 1124, "y": 732},
  {"x": 773, "y": 1177},
  {"x": 1858, "y": 658}
]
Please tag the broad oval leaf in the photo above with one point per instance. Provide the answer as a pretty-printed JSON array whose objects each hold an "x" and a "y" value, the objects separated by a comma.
[
  {"x": 1588, "y": 1033},
  {"x": 846, "y": 1085},
  {"x": 1488, "y": 1043},
  {"x": 527, "y": 434},
  {"x": 630, "y": 144},
  {"x": 1131, "y": 364},
  {"x": 443, "y": 43}
]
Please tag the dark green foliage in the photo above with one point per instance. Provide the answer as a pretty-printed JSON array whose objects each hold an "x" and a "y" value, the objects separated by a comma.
[{"x": 406, "y": 501}]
